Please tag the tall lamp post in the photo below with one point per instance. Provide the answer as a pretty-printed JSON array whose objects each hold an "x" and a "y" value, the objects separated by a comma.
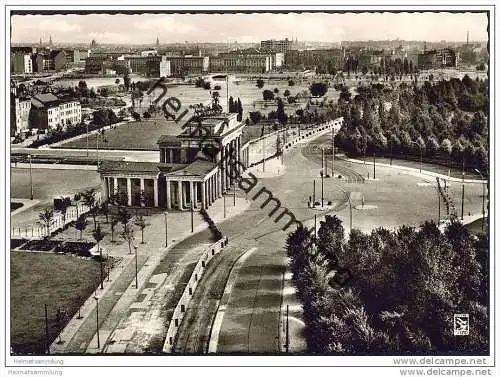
[
  {"x": 87, "y": 127},
  {"x": 484, "y": 212},
  {"x": 350, "y": 212},
  {"x": 136, "y": 283},
  {"x": 97, "y": 320},
  {"x": 166, "y": 229},
  {"x": 31, "y": 179},
  {"x": 322, "y": 186},
  {"x": 419, "y": 147}
]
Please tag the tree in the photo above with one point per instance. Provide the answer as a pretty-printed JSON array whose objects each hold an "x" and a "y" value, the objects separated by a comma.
[
  {"x": 141, "y": 223},
  {"x": 268, "y": 95},
  {"x": 98, "y": 236},
  {"x": 291, "y": 83},
  {"x": 146, "y": 115},
  {"x": 114, "y": 222},
  {"x": 117, "y": 81},
  {"x": 260, "y": 83},
  {"x": 239, "y": 109},
  {"x": 124, "y": 218},
  {"x": 318, "y": 89},
  {"x": 255, "y": 116},
  {"x": 104, "y": 117},
  {"x": 46, "y": 219},
  {"x": 126, "y": 82},
  {"x": 105, "y": 209},
  {"x": 280, "y": 112},
  {"x": 89, "y": 199},
  {"x": 232, "y": 108},
  {"x": 128, "y": 235},
  {"x": 276, "y": 90},
  {"x": 286, "y": 93},
  {"x": 81, "y": 224}
]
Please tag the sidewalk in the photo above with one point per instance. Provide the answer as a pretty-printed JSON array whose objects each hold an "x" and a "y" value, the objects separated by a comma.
[
  {"x": 416, "y": 172},
  {"x": 116, "y": 300}
]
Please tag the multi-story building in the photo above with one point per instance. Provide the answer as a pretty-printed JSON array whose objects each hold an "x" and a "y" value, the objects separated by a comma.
[
  {"x": 19, "y": 114},
  {"x": 241, "y": 62},
  {"x": 95, "y": 64},
  {"x": 446, "y": 57},
  {"x": 54, "y": 60},
  {"x": 181, "y": 65},
  {"x": 72, "y": 56},
  {"x": 21, "y": 63},
  {"x": 273, "y": 45},
  {"x": 314, "y": 58},
  {"x": 49, "y": 111},
  {"x": 149, "y": 65},
  {"x": 186, "y": 175}
]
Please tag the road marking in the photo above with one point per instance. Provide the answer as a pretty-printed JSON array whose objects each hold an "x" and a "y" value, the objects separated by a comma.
[{"x": 221, "y": 310}]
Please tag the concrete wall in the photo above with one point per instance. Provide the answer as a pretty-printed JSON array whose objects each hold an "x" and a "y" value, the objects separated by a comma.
[{"x": 183, "y": 303}]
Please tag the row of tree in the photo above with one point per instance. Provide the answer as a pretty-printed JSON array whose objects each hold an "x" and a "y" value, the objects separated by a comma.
[
  {"x": 445, "y": 120},
  {"x": 391, "y": 291}
]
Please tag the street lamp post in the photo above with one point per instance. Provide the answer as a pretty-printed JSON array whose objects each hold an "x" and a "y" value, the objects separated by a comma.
[
  {"x": 322, "y": 187},
  {"x": 166, "y": 229},
  {"x": 234, "y": 195},
  {"x": 484, "y": 194},
  {"x": 333, "y": 151},
  {"x": 192, "y": 218},
  {"x": 350, "y": 212},
  {"x": 419, "y": 147},
  {"x": 136, "y": 283},
  {"x": 97, "y": 320},
  {"x": 87, "y": 135},
  {"x": 31, "y": 179},
  {"x": 224, "y": 200}
]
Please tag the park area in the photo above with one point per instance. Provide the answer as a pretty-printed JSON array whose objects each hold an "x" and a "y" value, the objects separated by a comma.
[
  {"x": 143, "y": 134},
  {"x": 62, "y": 282}
]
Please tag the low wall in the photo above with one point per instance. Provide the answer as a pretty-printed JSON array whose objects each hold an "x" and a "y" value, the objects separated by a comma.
[
  {"x": 39, "y": 231},
  {"x": 267, "y": 146},
  {"x": 181, "y": 307}
]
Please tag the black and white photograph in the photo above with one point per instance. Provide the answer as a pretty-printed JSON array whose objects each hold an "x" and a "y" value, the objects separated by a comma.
[{"x": 249, "y": 185}]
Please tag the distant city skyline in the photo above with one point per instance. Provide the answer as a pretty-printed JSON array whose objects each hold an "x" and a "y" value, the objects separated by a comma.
[{"x": 248, "y": 28}]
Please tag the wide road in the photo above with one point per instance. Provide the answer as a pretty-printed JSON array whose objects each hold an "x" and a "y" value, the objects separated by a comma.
[{"x": 251, "y": 323}]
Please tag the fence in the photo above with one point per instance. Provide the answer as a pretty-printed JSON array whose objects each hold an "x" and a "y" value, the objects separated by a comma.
[
  {"x": 180, "y": 309},
  {"x": 39, "y": 231}
]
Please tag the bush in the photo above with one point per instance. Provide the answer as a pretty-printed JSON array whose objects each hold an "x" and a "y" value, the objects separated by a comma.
[
  {"x": 41, "y": 245},
  {"x": 16, "y": 242}
]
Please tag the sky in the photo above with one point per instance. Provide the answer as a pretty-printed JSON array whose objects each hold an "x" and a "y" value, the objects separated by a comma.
[{"x": 172, "y": 28}]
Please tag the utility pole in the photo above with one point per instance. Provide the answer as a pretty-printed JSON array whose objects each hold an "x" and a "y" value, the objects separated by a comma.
[
  {"x": 47, "y": 330},
  {"x": 390, "y": 161},
  {"x": 224, "y": 198},
  {"x": 373, "y": 165},
  {"x": 333, "y": 151},
  {"x": 439, "y": 203},
  {"x": 166, "y": 229},
  {"x": 234, "y": 195},
  {"x": 315, "y": 228},
  {"x": 97, "y": 320},
  {"x": 314, "y": 191},
  {"x": 322, "y": 187},
  {"x": 463, "y": 195},
  {"x": 31, "y": 179},
  {"x": 263, "y": 154},
  {"x": 136, "y": 283},
  {"x": 192, "y": 218},
  {"x": 87, "y": 139},
  {"x": 322, "y": 158},
  {"x": 287, "y": 336}
]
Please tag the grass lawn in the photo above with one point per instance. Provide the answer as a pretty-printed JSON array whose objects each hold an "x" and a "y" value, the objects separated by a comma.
[
  {"x": 15, "y": 205},
  {"x": 141, "y": 135},
  {"x": 60, "y": 281},
  {"x": 475, "y": 226},
  {"x": 49, "y": 183}
]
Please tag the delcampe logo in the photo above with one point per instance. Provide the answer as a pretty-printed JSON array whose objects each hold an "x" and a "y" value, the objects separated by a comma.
[{"x": 460, "y": 324}]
